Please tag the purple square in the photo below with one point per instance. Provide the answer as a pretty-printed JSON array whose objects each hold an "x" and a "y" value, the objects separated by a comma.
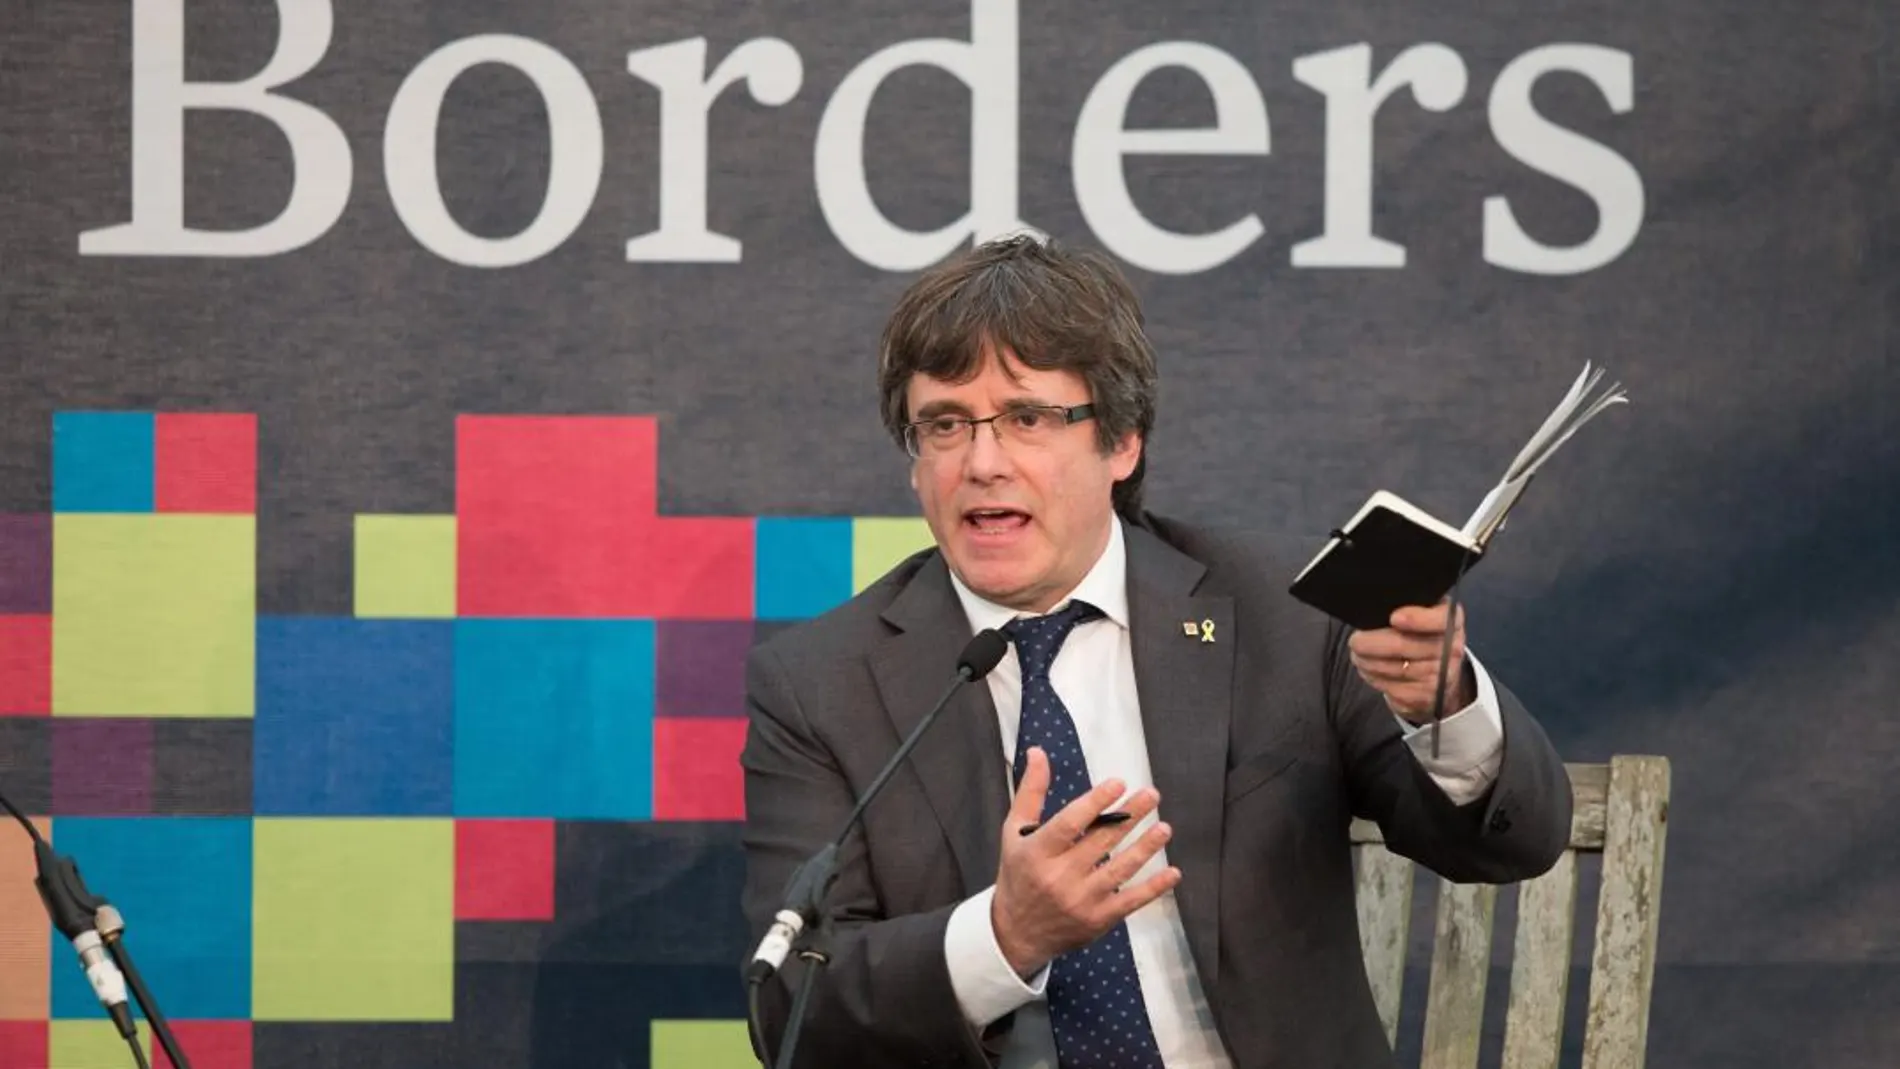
[
  {"x": 26, "y": 563},
  {"x": 701, "y": 670},
  {"x": 102, "y": 768}
]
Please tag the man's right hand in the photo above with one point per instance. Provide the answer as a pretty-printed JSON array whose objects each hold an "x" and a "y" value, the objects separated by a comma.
[{"x": 1060, "y": 889}]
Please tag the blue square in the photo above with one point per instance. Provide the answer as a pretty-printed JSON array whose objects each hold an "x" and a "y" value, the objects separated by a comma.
[
  {"x": 804, "y": 567},
  {"x": 102, "y": 462},
  {"x": 554, "y": 718},
  {"x": 184, "y": 887},
  {"x": 354, "y": 717}
]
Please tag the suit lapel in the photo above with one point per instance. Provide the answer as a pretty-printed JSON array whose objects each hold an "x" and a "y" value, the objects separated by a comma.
[
  {"x": 960, "y": 763},
  {"x": 1185, "y": 687}
]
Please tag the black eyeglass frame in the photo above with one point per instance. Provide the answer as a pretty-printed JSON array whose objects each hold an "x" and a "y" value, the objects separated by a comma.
[{"x": 1071, "y": 415}]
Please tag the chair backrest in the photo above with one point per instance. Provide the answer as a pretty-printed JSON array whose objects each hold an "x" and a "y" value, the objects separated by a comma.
[{"x": 1622, "y": 812}]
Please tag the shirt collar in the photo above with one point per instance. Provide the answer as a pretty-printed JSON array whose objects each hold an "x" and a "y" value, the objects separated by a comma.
[{"x": 1105, "y": 587}]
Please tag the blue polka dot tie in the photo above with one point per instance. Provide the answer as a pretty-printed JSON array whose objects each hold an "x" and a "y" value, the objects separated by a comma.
[{"x": 1095, "y": 1004}]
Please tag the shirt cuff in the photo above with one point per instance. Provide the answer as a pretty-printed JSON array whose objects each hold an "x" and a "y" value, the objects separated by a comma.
[
  {"x": 1470, "y": 743},
  {"x": 986, "y": 987}
]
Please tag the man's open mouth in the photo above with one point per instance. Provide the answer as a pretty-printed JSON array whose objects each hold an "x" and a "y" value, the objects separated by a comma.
[{"x": 996, "y": 520}]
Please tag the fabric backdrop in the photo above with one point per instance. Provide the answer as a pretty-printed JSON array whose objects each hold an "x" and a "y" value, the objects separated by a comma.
[{"x": 412, "y": 412}]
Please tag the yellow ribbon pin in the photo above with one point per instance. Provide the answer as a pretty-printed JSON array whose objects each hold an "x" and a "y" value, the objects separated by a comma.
[{"x": 1207, "y": 630}]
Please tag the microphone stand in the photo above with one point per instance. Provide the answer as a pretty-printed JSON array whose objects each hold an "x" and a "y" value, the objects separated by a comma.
[
  {"x": 112, "y": 932},
  {"x": 803, "y": 912},
  {"x": 76, "y": 912}
]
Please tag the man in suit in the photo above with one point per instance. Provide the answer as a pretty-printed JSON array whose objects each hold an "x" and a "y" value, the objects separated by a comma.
[{"x": 1156, "y": 669}]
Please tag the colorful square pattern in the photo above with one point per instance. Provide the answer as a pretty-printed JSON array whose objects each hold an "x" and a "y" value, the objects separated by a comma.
[
  {"x": 355, "y": 920},
  {"x": 184, "y": 885},
  {"x": 507, "y": 753},
  {"x": 153, "y": 615}
]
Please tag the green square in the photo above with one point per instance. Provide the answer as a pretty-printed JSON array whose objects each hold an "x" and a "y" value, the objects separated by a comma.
[
  {"x": 702, "y": 1045},
  {"x": 94, "y": 1044},
  {"x": 353, "y": 920},
  {"x": 154, "y": 615},
  {"x": 879, "y": 542},
  {"x": 405, "y": 566}
]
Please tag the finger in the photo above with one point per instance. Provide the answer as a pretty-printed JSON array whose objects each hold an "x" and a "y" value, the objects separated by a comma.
[
  {"x": 1411, "y": 664},
  {"x": 1069, "y": 823},
  {"x": 1411, "y": 690},
  {"x": 1131, "y": 898},
  {"x": 1389, "y": 643},
  {"x": 1123, "y": 866},
  {"x": 1420, "y": 619},
  {"x": 1397, "y": 646},
  {"x": 1137, "y": 806},
  {"x": 1418, "y": 697},
  {"x": 1026, "y": 807},
  {"x": 1382, "y": 672}
]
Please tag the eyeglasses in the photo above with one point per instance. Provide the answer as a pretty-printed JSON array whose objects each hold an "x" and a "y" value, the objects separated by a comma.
[{"x": 1026, "y": 425}]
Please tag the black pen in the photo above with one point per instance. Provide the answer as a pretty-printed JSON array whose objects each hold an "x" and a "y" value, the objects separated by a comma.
[{"x": 1106, "y": 820}]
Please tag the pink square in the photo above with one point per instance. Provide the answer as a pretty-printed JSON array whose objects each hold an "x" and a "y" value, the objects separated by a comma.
[
  {"x": 504, "y": 870},
  {"x": 208, "y": 1044},
  {"x": 551, "y": 512},
  {"x": 696, "y": 773},
  {"x": 697, "y": 568},
  {"x": 26, "y": 666},
  {"x": 26, "y": 1044},
  {"x": 205, "y": 463}
]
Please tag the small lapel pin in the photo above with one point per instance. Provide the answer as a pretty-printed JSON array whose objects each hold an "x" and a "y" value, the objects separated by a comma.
[
  {"x": 1187, "y": 628},
  {"x": 1207, "y": 630}
]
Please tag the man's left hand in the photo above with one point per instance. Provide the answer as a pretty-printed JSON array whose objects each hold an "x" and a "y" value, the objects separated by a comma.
[{"x": 1401, "y": 661}]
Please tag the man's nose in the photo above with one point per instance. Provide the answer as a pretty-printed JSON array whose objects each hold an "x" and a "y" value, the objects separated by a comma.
[{"x": 986, "y": 459}]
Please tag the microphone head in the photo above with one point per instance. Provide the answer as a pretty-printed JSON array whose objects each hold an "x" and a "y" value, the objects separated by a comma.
[{"x": 983, "y": 653}]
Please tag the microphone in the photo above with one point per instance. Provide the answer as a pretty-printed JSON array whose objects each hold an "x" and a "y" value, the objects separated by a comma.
[
  {"x": 72, "y": 909},
  {"x": 97, "y": 933},
  {"x": 805, "y": 892}
]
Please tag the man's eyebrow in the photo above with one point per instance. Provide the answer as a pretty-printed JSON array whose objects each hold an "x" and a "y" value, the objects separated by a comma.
[
  {"x": 946, "y": 407},
  {"x": 941, "y": 408},
  {"x": 1017, "y": 404}
]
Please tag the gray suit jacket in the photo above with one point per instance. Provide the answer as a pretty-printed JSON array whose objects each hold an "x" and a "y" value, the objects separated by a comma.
[{"x": 1264, "y": 744}]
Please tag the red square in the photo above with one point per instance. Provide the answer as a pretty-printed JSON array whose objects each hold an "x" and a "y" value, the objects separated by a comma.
[
  {"x": 205, "y": 463},
  {"x": 551, "y": 512},
  {"x": 504, "y": 870},
  {"x": 208, "y": 1045},
  {"x": 696, "y": 773},
  {"x": 26, "y": 666},
  {"x": 26, "y": 1044},
  {"x": 696, "y": 569}
]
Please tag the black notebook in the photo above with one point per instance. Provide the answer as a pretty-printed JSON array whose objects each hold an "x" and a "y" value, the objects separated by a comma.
[{"x": 1393, "y": 554}]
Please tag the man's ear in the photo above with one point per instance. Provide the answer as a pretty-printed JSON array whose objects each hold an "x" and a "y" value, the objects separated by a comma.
[{"x": 1125, "y": 456}]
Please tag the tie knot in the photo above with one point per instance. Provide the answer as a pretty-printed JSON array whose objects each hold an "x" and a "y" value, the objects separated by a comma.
[{"x": 1037, "y": 638}]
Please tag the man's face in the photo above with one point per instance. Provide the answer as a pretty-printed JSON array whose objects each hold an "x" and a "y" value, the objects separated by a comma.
[{"x": 1020, "y": 523}]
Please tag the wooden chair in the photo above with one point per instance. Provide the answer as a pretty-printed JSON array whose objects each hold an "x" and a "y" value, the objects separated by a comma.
[{"x": 1622, "y": 812}]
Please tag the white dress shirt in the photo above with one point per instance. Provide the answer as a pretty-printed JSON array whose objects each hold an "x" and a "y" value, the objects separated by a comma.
[{"x": 1094, "y": 673}]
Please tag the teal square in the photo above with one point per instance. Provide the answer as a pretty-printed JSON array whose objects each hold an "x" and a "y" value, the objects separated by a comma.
[
  {"x": 803, "y": 567},
  {"x": 554, "y": 719},
  {"x": 104, "y": 461},
  {"x": 183, "y": 885}
]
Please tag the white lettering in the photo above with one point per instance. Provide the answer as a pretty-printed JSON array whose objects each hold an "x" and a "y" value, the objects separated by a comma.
[
  {"x": 772, "y": 72},
  {"x": 319, "y": 153},
  {"x": 1437, "y": 78},
  {"x": 1602, "y": 175},
  {"x": 987, "y": 65},
  {"x": 690, "y": 84},
  {"x": 575, "y": 151},
  {"x": 1101, "y": 140}
]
